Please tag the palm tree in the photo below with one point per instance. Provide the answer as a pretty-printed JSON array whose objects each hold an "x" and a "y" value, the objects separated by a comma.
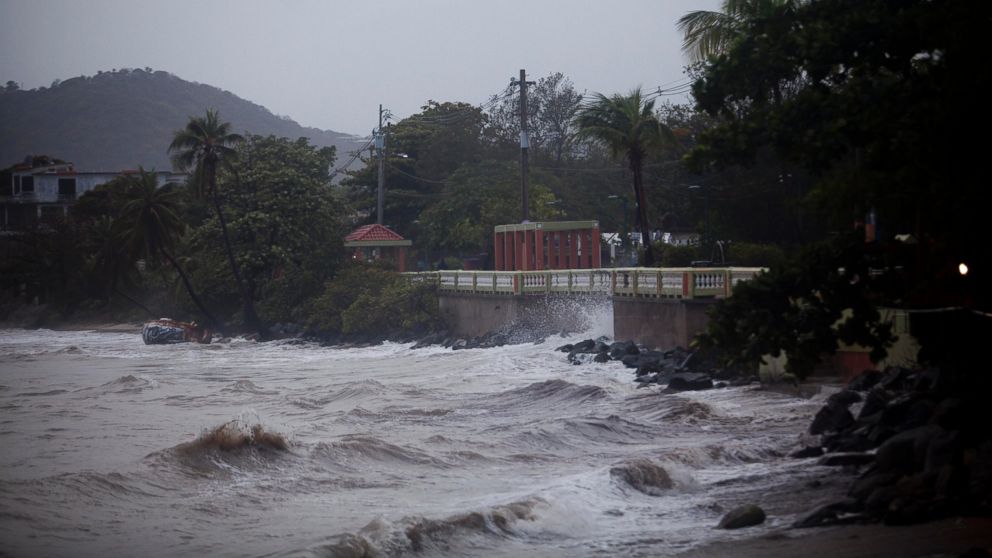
[
  {"x": 707, "y": 33},
  {"x": 203, "y": 145},
  {"x": 627, "y": 127},
  {"x": 149, "y": 226}
]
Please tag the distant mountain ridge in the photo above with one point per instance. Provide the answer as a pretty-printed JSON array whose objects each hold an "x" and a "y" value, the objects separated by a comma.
[{"x": 126, "y": 118}]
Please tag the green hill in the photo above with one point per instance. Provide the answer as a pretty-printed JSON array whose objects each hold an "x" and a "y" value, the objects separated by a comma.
[{"x": 123, "y": 119}]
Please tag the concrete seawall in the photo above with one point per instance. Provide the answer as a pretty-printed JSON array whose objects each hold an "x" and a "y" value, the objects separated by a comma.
[{"x": 474, "y": 315}]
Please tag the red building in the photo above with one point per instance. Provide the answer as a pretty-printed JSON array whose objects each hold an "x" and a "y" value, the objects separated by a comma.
[{"x": 551, "y": 245}]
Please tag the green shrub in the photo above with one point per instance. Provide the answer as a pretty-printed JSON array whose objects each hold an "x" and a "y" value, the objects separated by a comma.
[
  {"x": 369, "y": 301},
  {"x": 745, "y": 254}
]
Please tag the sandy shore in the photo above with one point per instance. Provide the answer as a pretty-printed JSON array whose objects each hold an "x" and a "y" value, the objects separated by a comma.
[{"x": 949, "y": 537}]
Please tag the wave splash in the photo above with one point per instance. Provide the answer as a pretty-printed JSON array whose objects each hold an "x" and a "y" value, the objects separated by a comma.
[{"x": 418, "y": 535}]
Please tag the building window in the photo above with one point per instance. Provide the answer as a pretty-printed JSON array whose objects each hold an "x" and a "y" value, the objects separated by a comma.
[
  {"x": 67, "y": 188},
  {"x": 27, "y": 184}
]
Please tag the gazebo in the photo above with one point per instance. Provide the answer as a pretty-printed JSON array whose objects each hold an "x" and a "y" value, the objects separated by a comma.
[{"x": 375, "y": 242}]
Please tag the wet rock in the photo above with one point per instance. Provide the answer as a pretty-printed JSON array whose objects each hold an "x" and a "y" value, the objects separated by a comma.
[
  {"x": 865, "y": 380},
  {"x": 587, "y": 346},
  {"x": 848, "y": 442},
  {"x": 895, "y": 378},
  {"x": 829, "y": 514},
  {"x": 906, "y": 451},
  {"x": 621, "y": 349},
  {"x": 876, "y": 401},
  {"x": 809, "y": 451},
  {"x": 844, "y": 398},
  {"x": 601, "y": 357},
  {"x": 846, "y": 459},
  {"x": 831, "y": 418},
  {"x": 566, "y": 348},
  {"x": 644, "y": 476},
  {"x": 743, "y": 516},
  {"x": 870, "y": 482},
  {"x": 949, "y": 414},
  {"x": 689, "y": 381}
]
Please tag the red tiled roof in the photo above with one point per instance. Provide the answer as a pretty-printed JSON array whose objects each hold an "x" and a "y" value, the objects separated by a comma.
[{"x": 372, "y": 233}]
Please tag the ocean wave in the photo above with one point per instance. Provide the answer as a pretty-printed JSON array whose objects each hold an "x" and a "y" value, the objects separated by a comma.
[
  {"x": 419, "y": 535},
  {"x": 236, "y": 444},
  {"x": 548, "y": 392},
  {"x": 611, "y": 429},
  {"x": 247, "y": 386},
  {"x": 643, "y": 475},
  {"x": 357, "y": 449}
]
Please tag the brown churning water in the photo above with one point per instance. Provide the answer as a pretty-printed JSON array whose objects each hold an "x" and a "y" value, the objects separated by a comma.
[{"x": 115, "y": 448}]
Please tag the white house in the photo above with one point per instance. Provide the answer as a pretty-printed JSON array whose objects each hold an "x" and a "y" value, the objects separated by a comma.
[{"x": 32, "y": 194}]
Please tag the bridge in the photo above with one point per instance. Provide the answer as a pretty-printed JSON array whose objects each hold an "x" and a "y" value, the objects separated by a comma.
[{"x": 660, "y": 307}]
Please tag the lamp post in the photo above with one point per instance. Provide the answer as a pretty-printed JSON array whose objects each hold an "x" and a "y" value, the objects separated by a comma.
[{"x": 624, "y": 242}]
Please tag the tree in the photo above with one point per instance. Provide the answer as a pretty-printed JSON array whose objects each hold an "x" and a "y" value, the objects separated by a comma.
[
  {"x": 628, "y": 127},
  {"x": 422, "y": 151},
  {"x": 149, "y": 226},
  {"x": 285, "y": 223},
  {"x": 878, "y": 94},
  {"x": 707, "y": 33},
  {"x": 551, "y": 105},
  {"x": 474, "y": 200},
  {"x": 203, "y": 145}
]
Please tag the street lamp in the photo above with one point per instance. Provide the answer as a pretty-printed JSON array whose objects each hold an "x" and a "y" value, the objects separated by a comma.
[{"x": 623, "y": 239}]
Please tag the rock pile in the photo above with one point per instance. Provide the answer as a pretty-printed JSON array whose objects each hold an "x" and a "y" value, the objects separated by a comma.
[
  {"x": 920, "y": 440},
  {"x": 679, "y": 369}
]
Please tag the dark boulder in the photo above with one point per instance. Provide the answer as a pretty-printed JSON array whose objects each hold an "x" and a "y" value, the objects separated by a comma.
[
  {"x": 906, "y": 452},
  {"x": 845, "y": 398},
  {"x": 831, "y": 418},
  {"x": 875, "y": 401},
  {"x": 601, "y": 357},
  {"x": 830, "y": 514},
  {"x": 743, "y": 516},
  {"x": 621, "y": 349},
  {"x": 689, "y": 381},
  {"x": 566, "y": 348},
  {"x": 846, "y": 459},
  {"x": 808, "y": 451},
  {"x": 895, "y": 378},
  {"x": 865, "y": 380}
]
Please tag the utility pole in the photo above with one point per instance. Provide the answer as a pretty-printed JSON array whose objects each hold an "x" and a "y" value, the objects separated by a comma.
[
  {"x": 524, "y": 143},
  {"x": 380, "y": 145}
]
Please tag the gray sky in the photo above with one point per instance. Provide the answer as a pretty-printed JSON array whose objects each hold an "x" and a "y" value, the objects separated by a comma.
[{"x": 329, "y": 64}]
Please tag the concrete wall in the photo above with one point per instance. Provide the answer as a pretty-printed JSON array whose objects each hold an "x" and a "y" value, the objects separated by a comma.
[
  {"x": 662, "y": 323},
  {"x": 474, "y": 315}
]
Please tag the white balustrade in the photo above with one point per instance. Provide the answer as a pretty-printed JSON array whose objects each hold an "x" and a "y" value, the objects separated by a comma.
[{"x": 650, "y": 282}]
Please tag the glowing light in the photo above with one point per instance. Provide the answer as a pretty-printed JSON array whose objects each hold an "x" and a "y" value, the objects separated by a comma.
[{"x": 963, "y": 268}]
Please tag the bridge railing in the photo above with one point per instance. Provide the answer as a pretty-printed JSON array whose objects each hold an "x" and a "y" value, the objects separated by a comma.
[{"x": 669, "y": 282}]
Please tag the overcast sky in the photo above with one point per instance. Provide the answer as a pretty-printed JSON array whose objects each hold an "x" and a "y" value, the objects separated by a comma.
[{"x": 329, "y": 64}]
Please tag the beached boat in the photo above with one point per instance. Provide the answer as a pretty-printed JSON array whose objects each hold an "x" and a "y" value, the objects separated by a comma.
[{"x": 165, "y": 331}]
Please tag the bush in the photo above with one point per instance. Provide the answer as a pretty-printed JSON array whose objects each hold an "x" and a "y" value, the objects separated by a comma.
[
  {"x": 744, "y": 254},
  {"x": 676, "y": 256},
  {"x": 365, "y": 300},
  {"x": 802, "y": 308}
]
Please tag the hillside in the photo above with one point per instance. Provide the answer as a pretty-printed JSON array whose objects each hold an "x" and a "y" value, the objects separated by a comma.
[{"x": 123, "y": 119}]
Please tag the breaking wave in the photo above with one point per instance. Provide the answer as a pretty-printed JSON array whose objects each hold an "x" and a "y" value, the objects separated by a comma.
[{"x": 455, "y": 534}]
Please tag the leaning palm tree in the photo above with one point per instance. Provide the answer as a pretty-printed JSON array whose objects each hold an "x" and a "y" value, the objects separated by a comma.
[
  {"x": 706, "y": 33},
  {"x": 149, "y": 226},
  {"x": 202, "y": 146},
  {"x": 627, "y": 127}
]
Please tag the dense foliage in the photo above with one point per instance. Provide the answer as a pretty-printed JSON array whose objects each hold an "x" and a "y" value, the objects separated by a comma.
[{"x": 867, "y": 100}]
